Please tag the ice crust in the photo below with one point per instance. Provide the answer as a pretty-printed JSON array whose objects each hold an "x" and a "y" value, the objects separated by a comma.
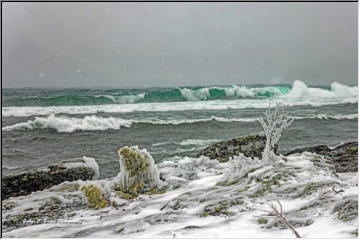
[{"x": 196, "y": 184}]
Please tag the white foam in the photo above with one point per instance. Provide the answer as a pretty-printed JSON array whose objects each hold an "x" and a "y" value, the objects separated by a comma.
[
  {"x": 126, "y": 98},
  {"x": 195, "y": 95},
  {"x": 337, "y": 90},
  {"x": 328, "y": 116},
  {"x": 94, "y": 123},
  {"x": 8, "y": 167},
  {"x": 232, "y": 91},
  {"x": 243, "y": 91},
  {"x": 66, "y": 124},
  {"x": 200, "y": 142},
  {"x": 165, "y": 107},
  {"x": 239, "y": 91}
]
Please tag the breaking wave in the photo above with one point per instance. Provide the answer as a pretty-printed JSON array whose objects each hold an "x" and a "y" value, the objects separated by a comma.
[
  {"x": 65, "y": 124},
  {"x": 337, "y": 90},
  {"x": 233, "y": 97},
  {"x": 92, "y": 97},
  {"x": 156, "y": 95},
  {"x": 93, "y": 123}
]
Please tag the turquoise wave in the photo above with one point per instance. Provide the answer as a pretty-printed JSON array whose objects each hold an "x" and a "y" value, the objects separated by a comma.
[{"x": 81, "y": 97}]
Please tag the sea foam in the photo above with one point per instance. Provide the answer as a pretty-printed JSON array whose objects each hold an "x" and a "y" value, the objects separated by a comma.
[
  {"x": 95, "y": 123},
  {"x": 66, "y": 124},
  {"x": 337, "y": 90}
]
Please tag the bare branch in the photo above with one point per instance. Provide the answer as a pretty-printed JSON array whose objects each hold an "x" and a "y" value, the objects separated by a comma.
[{"x": 281, "y": 216}]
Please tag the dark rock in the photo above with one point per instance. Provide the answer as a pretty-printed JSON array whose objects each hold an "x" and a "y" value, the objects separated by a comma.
[
  {"x": 347, "y": 209},
  {"x": 250, "y": 145},
  {"x": 26, "y": 183},
  {"x": 191, "y": 227},
  {"x": 22, "y": 219},
  {"x": 71, "y": 214},
  {"x": 344, "y": 157},
  {"x": 319, "y": 149},
  {"x": 295, "y": 223},
  {"x": 45, "y": 214},
  {"x": 221, "y": 208}
]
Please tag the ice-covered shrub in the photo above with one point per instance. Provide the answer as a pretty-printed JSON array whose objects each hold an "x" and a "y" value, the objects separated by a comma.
[
  {"x": 94, "y": 195},
  {"x": 241, "y": 165},
  {"x": 273, "y": 124},
  {"x": 138, "y": 171},
  {"x": 181, "y": 169},
  {"x": 200, "y": 163}
]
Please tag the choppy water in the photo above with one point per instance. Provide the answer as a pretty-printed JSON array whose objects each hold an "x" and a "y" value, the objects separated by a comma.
[{"x": 44, "y": 126}]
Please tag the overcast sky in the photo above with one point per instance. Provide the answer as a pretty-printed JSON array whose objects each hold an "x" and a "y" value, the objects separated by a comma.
[{"x": 178, "y": 44}]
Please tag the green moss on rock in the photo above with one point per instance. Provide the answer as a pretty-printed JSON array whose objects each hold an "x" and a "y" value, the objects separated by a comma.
[
  {"x": 262, "y": 221},
  {"x": 250, "y": 145},
  {"x": 217, "y": 211},
  {"x": 126, "y": 196},
  {"x": 135, "y": 162},
  {"x": 95, "y": 196},
  {"x": 221, "y": 208},
  {"x": 352, "y": 149},
  {"x": 310, "y": 188},
  {"x": 138, "y": 172},
  {"x": 154, "y": 191},
  {"x": 21, "y": 219},
  {"x": 65, "y": 187},
  {"x": 346, "y": 210}
]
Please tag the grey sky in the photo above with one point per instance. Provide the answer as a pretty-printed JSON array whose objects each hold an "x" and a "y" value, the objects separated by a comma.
[{"x": 177, "y": 44}]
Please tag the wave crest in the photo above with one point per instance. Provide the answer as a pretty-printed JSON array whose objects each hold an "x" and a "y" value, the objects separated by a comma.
[
  {"x": 298, "y": 94},
  {"x": 65, "y": 124},
  {"x": 93, "y": 123},
  {"x": 337, "y": 90}
]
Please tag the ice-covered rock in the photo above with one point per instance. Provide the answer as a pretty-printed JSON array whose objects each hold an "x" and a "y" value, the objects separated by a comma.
[
  {"x": 216, "y": 202},
  {"x": 138, "y": 171},
  {"x": 70, "y": 170},
  {"x": 343, "y": 156}
]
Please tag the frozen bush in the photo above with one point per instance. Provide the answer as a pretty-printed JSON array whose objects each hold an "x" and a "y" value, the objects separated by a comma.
[
  {"x": 138, "y": 171},
  {"x": 274, "y": 124}
]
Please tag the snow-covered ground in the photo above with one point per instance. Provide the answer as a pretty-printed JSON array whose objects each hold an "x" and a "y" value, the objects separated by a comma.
[{"x": 205, "y": 199}]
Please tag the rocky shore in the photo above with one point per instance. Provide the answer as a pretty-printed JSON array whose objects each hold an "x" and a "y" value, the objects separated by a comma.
[
  {"x": 70, "y": 170},
  {"x": 344, "y": 157},
  {"x": 193, "y": 196},
  {"x": 250, "y": 145}
]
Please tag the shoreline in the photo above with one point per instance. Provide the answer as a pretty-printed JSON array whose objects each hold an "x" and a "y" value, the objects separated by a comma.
[{"x": 343, "y": 157}]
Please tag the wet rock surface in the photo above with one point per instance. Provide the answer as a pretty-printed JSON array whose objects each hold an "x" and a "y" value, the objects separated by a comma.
[
  {"x": 26, "y": 183},
  {"x": 344, "y": 157},
  {"x": 250, "y": 145},
  {"x": 51, "y": 208}
]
